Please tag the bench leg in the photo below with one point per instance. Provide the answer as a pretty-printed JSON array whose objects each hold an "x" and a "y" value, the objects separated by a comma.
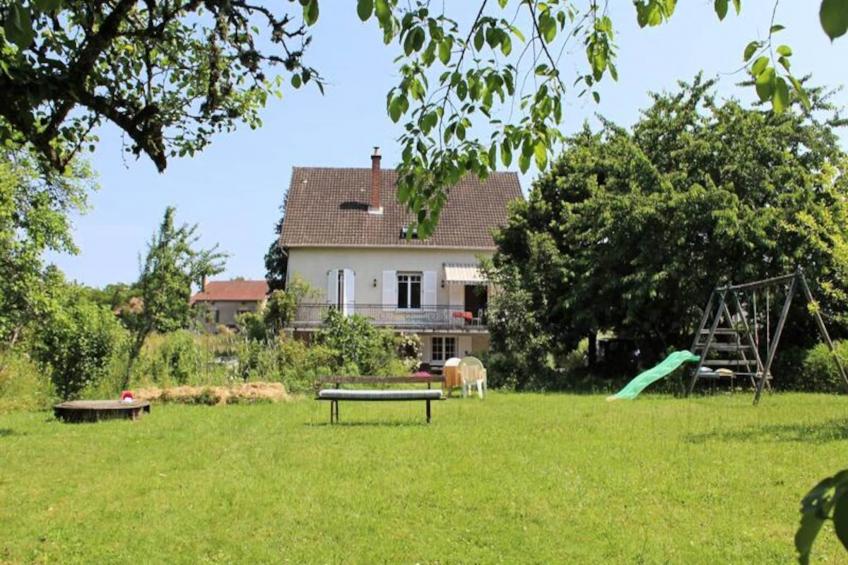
[{"x": 428, "y": 411}]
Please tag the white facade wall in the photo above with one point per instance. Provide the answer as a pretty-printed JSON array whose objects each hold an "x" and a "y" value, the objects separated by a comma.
[
  {"x": 367, "y": 267},
  {"x": 368, "y": 264}
]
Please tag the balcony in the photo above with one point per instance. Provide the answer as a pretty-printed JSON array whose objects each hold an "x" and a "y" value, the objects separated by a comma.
[{"x": 439, "y": 317}]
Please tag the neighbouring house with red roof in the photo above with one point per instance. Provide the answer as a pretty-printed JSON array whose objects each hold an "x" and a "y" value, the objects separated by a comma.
[
  {"x": 345, "y": 233},
  {"x": 224, "y": 300}
]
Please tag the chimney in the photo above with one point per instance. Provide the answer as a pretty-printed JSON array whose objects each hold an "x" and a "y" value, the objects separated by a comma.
[{"x": 376, "y": 183}]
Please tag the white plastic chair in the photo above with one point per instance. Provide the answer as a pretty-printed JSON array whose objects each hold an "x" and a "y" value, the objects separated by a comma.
[{"x": 472, "y": 373}]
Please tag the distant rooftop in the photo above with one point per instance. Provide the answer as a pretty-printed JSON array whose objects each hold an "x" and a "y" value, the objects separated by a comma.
[{"x": 232, "y": 291}]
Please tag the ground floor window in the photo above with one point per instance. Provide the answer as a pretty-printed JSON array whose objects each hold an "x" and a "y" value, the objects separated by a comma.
[
  {"x": 444, "y": 348},
  {"x": 217, "y": 316}
]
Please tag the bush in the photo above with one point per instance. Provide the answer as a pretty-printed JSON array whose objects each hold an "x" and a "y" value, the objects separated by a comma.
[
  {"x": 251, "y": 325},
  {"x": 357, "y": 342},
  {"x": 257, "y": 361},
  {"x": 818, "y": 371},
  {"x": 22, "y": 384},
  {"x": 76, "y": 344}
]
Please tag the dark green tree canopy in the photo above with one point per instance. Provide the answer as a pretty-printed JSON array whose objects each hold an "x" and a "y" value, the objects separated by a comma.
[{"x": 630, "y": 230}]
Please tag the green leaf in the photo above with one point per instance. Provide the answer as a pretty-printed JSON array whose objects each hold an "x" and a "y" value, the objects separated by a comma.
[
  {"x": 721, "y": 8},
  {"x": 776, "y": 28},
  {"x": 445, "y": 50},
  {"x": 750, "y": 50},
  {"x": 364, "y": 8},
  {"x": 310, "y": 12},
  {"x": 785, "y": 50},
  {"x": 479, "y": 39},
  {"x": 780, "y": 100},
  {"x": 18, "y": 26},
  {"x": 295, "y": 80},
  {"x": 759, "y": 66},
  {"x": 524, "y": 162},
  {"x": 548, "y": 27},
  {"x": 506, "y": 153},
  {"x": 506, "y": 45},
  {"x": 540, "y": 151},
  {"x": 765, "y": 84},
  {"x": 737, "y": 5},
  {"x": 834, "y": 17}
]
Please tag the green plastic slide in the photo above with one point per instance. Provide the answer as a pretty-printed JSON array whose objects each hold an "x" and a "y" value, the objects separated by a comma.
[{"x": 654, "y": 374}]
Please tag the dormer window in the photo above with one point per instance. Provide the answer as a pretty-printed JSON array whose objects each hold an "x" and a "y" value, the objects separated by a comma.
[{"x": 404, "y": 232}]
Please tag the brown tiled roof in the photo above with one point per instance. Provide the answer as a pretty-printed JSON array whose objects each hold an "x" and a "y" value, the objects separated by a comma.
[
  {"x": 328, "y": 207},
  {"x": 232, "y": 291}
]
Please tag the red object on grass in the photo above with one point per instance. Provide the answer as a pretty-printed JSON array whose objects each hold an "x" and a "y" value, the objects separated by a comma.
[
  {"x": 127, "y": 394},
  {"x": 421, "y": 374}
]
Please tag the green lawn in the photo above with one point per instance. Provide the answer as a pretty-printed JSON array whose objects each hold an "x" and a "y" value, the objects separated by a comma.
[{"x": 514, "y": 478}]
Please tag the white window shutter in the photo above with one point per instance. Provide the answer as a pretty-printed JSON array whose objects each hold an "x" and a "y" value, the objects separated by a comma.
[
  {"x": 428, "y": 289},
  {"x": 389, "y": 289},
  {"x": 349, "y": 282},
  {"x": 332, "y": 286}
]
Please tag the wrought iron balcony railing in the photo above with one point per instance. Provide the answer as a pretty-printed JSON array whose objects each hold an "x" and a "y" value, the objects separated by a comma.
[{"x": 442, "y": 316}]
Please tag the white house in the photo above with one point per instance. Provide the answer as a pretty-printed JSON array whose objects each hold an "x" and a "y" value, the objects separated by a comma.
[{"x": 345, "y": 233}]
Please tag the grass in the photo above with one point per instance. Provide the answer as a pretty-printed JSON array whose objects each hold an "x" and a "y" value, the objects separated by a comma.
[{"x": 515, "y": 478}]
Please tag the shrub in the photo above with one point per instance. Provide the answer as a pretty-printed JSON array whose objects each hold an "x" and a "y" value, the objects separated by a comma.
[
  {"x": 257, "y": 361},
  {"x": 251, "y": 326},
  {"x": 76, "y": 343},
  {"x": 819, "y": 372},
  {"x": 408, "y": 346},
  {"x": 356, "y": 342},
  {"x": 181, "y": 357},
  {"x": 22, "y": 384}
]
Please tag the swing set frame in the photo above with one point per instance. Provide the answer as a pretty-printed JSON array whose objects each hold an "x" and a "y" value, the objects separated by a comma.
[{"x": 723, "y": 298}]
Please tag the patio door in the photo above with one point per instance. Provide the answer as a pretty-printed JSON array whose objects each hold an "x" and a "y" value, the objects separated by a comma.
[
  {"x": 476, "y": 300},
  {"x": 340, "y": 290}
]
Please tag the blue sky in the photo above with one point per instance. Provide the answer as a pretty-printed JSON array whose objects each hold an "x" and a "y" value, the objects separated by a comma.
[{"x": 234, "y": 189}]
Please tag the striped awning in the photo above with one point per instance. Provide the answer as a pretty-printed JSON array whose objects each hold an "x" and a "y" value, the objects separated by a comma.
[{"x": 463, "y": 273}]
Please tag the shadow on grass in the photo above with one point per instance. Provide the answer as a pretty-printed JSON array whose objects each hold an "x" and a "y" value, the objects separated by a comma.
[
  {"x": 824, "y": 432},
  {"x": 6, "y": 432},
  {"x": 369, "y": 424}
]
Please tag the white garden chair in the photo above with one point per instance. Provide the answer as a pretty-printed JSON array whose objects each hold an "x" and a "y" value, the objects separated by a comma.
[{"x": 473, "y": 374}]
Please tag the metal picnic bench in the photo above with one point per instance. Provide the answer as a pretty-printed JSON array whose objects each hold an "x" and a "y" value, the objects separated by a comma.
[{"x": 335, "y": 394}]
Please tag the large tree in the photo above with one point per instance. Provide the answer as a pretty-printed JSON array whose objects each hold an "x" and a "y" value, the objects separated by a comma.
[
  {"x": 34, "y": 219},
  {"x": 172, "y": 73},
  {"x": 630, "y": 230}
]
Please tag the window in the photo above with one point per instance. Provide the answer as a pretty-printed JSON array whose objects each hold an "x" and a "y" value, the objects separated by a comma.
[
  {"x": 444, "y": 348},
  {"x": 217, "y": 316},
  {"x": 409, "y": 290}
]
